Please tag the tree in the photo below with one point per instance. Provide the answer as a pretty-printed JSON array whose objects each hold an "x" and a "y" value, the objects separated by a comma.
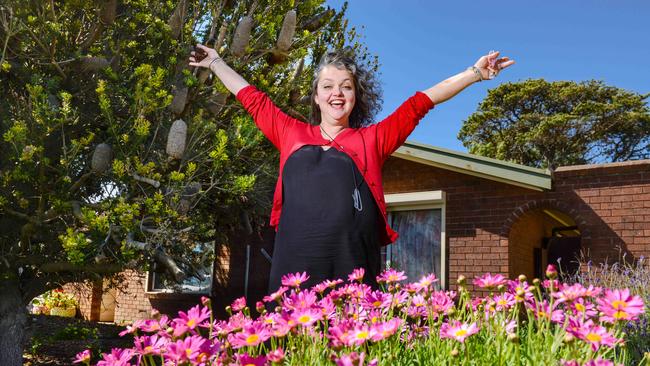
[
  {"x": 550, "y": 124},
  {"x": 115, "y": 154}
]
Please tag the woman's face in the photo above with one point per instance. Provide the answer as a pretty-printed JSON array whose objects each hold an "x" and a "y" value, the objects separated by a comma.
[{"x": 335, "y": 95}]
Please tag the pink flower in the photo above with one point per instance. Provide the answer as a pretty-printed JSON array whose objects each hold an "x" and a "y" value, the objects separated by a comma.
[
  {"x": 277, "y": 355},
  {"x": 353, "y": 359},
  {"x": 253, "y": 334},
  {"x": 183, "y": 350},
  {"x": 117, "y": 357},
  {"x": 596, "y": 335},
  {"x": 620, "y": 305},
  {"x": 573, "y": 292},
  {"x": 544, "y": 310},
  {"x": 583, "y": 308},
  {"x": 390, "y": 275},
  {"x": 239, "y": 304},
  {"x": 82, "y": 357},
  {"x": 386, "y": 329},
  {"x": 153, "y": 325},
  {"x": 276, "y": 295},
  {"x": 490, "y": 281},
  {"x": 425, "y": 282},
  {"x": 150, "y": 345},
  {"x": 375, "y": 300},
  {"x": 440, "y": 303},
  {"x": 294, "y": 279},
  {"x": 133, "y": 328},
  {"x": 357, "y": 275},
  {"x": 300, "y": 300},
  {"x": 307, "y": 317},
  {"x": 246, "y": 360},
  {"x": 504, "y": 301},
  {"x": 190, "y": 320},
  {"x": 360, "y": 334},
  {"x": 457, "y": 330}
]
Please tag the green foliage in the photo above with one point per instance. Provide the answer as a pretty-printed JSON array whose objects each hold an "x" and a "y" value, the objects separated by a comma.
[
  {"x": 550, "y": 124},
  {"x": 72, "y": 77}
]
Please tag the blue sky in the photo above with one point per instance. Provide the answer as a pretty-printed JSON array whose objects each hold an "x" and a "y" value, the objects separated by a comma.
[{"x": 422, "y": 42}]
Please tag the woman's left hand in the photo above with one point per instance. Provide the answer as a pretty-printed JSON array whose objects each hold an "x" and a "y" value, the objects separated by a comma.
[{"x": 491, "y": 64}]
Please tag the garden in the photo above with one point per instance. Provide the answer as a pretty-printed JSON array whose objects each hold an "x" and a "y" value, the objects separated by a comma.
[{"x": 600, "y": 319}]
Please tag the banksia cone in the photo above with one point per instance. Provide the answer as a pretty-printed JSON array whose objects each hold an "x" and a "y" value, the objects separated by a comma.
[
  {"x": 189, "y": 192},
  {"x": 180, "y": 98},
  {"x": 242, "y": 36},
  {"x": 92, "y": 64},
  {"x": 102, "y": 158},
  {"x": 318, "y": 20},
  {"x": 176, "y": 139},
  {"x": 108, "y": 11},
  {"x": 175, "y": 21},
  {"x": 216, "y": 102},
  {"x": 287, "y": 32}
]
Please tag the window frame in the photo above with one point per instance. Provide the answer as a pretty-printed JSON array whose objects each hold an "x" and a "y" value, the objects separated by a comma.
[{"x": 424, "y": 200}]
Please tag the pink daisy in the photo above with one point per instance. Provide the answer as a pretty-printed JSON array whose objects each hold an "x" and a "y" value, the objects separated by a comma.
[
  {"x": 357, "y": 275},
  {"x": 620, "y": 305},
  {"x": 294, "y": 279},
  {"x": 490, "y": 281},
  {"x": 390, "y": 275},
  {"x": 252, "y": 334},
  {"x": 457, "y": 330}
]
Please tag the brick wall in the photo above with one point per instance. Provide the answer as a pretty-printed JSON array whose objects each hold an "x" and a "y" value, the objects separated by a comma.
[
  {"x": 609, "y": 203},
  {"x": 490, "y": 227}
]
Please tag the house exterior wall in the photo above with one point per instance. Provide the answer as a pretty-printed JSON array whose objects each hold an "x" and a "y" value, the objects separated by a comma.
[
  {"x": 610, "y": 204},
  {"x": 489, "y": 226}
]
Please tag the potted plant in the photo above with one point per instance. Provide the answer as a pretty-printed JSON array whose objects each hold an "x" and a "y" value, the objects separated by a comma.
[{"x": 60, "y": 303}]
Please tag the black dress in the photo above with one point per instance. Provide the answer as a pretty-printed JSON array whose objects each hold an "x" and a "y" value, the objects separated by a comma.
[{"x": 321, "y": 231}]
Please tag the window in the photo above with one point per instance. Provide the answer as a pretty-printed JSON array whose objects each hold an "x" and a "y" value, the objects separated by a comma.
[
  {"x": 198, "y": 282},
  {"x": 419, "y": 218}
]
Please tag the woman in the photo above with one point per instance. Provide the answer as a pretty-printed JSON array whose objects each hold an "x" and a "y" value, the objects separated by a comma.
[{"x": 328, "y": 207}]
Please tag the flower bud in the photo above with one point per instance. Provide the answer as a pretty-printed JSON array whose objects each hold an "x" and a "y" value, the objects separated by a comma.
[
  {"x": 521, "y": 292},
  {"x": 205, "y": 301},
  {"x": 522, "y": 278},
  {"x": 259, "y": 306},
  {"x": 155, "y": 314},
  {"x": 454, "y": 352},
  {"x": 568, "y": 338},
  {"x": 512, "y": 337},
  {"x": 536, "y": 282},
  {"x": 461, "y": 280},
  {"x": 501, "y": 288},
  {"x": 551, "y": 272}
]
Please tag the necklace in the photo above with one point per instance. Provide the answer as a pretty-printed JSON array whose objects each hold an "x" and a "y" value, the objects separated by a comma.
[{"x": 356, "y": 195}]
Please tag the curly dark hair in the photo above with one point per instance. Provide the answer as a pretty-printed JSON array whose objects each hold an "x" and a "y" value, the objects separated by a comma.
[{"x": 366, "y": 86}]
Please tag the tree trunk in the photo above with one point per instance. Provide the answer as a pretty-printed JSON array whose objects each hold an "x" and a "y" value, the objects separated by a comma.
[{"x": 12, "y": 323}]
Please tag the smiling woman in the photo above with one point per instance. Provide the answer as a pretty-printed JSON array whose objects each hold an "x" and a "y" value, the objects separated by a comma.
[{"x": 328, "y": 209}]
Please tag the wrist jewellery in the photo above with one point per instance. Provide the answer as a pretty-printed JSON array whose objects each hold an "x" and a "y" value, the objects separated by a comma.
[
  {"x": 217, "y": 58},
  {"x": 477, "y": 72}
]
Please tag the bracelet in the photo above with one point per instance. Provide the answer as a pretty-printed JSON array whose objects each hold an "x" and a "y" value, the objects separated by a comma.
[
  {"x": 477, "y": 72},
  {"x": 213, "y": 60}
]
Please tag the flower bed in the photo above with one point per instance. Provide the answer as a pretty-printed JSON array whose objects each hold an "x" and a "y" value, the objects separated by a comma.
[{"x": 347, "y": 323}]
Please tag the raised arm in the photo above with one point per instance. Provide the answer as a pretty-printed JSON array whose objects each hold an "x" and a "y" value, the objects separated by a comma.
[
  {"x": 486, "y": 68},
  {"x": 208, "y": 58},
  {"x": 267, "y": 116}
]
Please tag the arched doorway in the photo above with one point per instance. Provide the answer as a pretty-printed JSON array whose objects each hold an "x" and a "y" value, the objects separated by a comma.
[{"x": 542, "y": 236}]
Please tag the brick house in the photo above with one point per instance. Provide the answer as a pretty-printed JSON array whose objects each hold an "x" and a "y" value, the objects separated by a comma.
[{"x": 456, "y": 213}]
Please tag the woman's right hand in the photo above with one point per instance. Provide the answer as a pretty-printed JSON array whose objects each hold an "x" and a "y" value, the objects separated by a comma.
[{"x": 195, "y": 59}]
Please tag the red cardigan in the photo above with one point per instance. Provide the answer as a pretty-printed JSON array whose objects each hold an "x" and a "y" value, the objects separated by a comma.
[{"x": 368, "y": 147}]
